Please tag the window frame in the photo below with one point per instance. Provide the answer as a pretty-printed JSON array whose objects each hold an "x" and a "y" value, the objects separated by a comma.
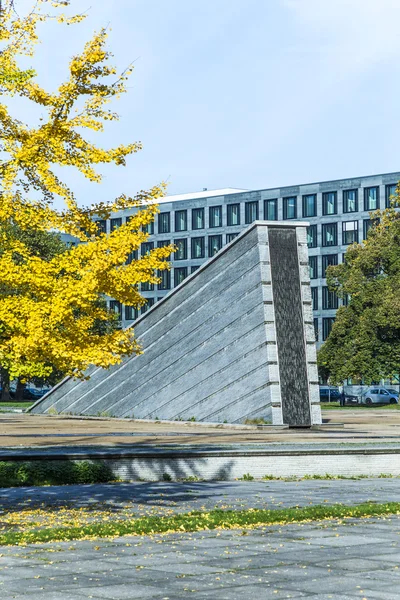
[
  {"x": 247, "y": 208},
  {"x": 324, "y": 230},
  {"x": 164, "y": 285},
  {"x": 101, "y": 226},
  {"x": 314, "y": 259},
  {"x": 179, "y": 270},
  {"x": 304, "y": 205},
  {"x": 143, "y": 248},
  {"x": 313, "y": 228},
  {"x": 232, "y": 236},
  {"x": 131, "y": 310},
  {"x": 327, "y": 323},
  {"x": 344, "y": 231},
  {"x": 329, "y": 264},
  {"x": 199, "y": 210},
  {"x": 210, "y": 237},
  {"x": 177, "y": 242},
  {"x": 325, "y": 204},
  {"x": 116, "y": 304},
  {"x": 366, "y": 198},
  {"x": 285, "y": 207},
  {"x": 346, "y": 201},
  {"x": 274, "y": 203},
  {"x": 387, "y": 195},
  {"x": 229, "y": 221},
  {"x": 203, "y": 247},
  {"x": 115, "y": 223},
  {"x": 176, "y": 217},
  {"x": 314, "y": 297},
  {"x": 328, "y": 298},
  {"x": 212, "y": 212},
  {"x": 161, "y": 217}
]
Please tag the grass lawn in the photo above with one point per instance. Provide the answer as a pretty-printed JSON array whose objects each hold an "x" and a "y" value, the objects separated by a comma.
[
  {"x": 336, "y": 406},
  {"x": 106, "y": 526},
  {"x": 11, "y": 404}
]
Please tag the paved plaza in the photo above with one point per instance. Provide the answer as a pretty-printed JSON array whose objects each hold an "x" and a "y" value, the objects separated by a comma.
[
  {"x": 331, "y": 559},
  {"x": 355, "y": 559},
  {"x": 340, "y": 426},
  {"x": 154, "y": 497}
]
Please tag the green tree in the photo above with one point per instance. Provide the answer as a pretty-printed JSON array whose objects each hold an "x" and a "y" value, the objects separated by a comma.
[{"x": 365, "y": 339}]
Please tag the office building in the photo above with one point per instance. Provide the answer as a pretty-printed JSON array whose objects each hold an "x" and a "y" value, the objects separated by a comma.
[{"x": 201, "y": 223}]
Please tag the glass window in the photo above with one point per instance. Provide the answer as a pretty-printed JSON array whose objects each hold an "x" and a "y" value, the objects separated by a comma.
[
  {"x": 367, "y": 224},
  {"x": 149, "y": 304},
  {"x": 115, "y": 223},
  {"x": 312, "y": 236},
  {"x": 327, "y": 324},
  {"x": 165, "y": 277},
  {"x": 131, "y": 257},
  {"x": 310, "y": 205},
  {"x": 215, "y": 216},
  {"x": 164, "y": 222},
  {"x": 198, "y": 218},
  {"x": 147, "y": 287},
  {"x": 251, "y": 212},
  {"x": 181, "y": 249},
  {"x": 390, "y": 191},
  {"x": 101, "y": 226},
  {"x": 146, "y": 248},
  {"x": 314, "y": 298},
  {"x": 230, "y": 237},
  {"x": 271, "y": 210},
  {"x": 350, "y": 201},
  {"x": 181, "y": 220},
  {"x": 214, "y": 244},
  {"x": 329, "y": 299},
  {"x": 290, "y": 208},
  {"x": 180, "y": 273},
  {"x": 316, "y": 330},
  {"x": 194, "y": 268},
  {"x": 149, "y": 228},
  {"x": 313, "y": 264},
  {"x": 329, "y": 234},
  {"x": 346, "y": 299},
  {"x": 350, "y": 232},
  {"x": 163, "y": 243},
  {"x": 233, "y": 214},
  {"x": 198, "y": 247},
  {"x": 329, "y": 203},
  {"x": 116, "y": 307},
  {"x": 371, "y": 198},
  {"x": 327, "y": 261},
  {"x": 131, "y": 313}
]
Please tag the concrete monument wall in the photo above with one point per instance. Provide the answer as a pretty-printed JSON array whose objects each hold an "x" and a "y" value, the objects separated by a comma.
[{"x": 234, "y": 341}]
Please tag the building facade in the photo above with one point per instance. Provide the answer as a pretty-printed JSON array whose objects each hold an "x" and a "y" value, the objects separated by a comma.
[{"x": 200, "y": 224}]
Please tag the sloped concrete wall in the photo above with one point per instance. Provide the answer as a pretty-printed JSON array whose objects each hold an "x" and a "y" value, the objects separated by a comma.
[{"x": 210, "y": 347}]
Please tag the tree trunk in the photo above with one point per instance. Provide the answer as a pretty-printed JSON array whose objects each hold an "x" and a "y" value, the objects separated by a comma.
[
  {"x": 5, "y": 386},
  {"x": 19, "y": 392}
]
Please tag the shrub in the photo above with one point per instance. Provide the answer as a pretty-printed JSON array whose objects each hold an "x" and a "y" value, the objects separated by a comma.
[{"x": 15, "y": 474}]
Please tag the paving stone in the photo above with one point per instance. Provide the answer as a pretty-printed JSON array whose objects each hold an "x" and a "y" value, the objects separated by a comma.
[{"x": 127, "y": 591}]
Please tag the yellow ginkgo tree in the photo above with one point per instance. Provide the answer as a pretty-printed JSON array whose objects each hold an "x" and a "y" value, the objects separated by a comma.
[{"x": 49, "y": 309}]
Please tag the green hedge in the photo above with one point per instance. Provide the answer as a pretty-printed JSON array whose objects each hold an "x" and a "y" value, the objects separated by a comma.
[{"x": 15, "y": 474}]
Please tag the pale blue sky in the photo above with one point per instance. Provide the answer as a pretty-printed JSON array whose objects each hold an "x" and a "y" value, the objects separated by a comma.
[{"x": 244, "y": 93}]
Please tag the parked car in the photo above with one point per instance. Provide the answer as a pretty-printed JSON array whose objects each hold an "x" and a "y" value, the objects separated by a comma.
[
  {"x": 379, "y": 395},
  {"x": 329, "y": 393},
  {"x": 29, "y": 393},
  {"x": 351, "y": 398}
]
